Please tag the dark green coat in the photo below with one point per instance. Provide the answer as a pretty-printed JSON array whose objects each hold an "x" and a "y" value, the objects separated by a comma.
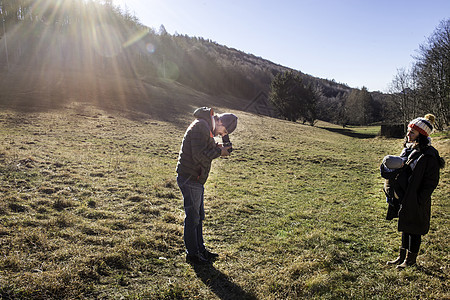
[
  {"x": 198, "y": 148},
  {"x": 415, "y": 212}
]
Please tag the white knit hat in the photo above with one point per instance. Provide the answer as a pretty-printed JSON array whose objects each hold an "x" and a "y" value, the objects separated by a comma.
[{"x": 423, "y": 125}]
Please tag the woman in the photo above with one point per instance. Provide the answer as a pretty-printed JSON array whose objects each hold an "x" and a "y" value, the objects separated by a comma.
[{"x": 422, "y": 169}]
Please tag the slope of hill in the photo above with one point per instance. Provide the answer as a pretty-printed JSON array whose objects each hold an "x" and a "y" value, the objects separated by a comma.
[
  {"x": 91, "y": 52},
  {"x": 30, "y": 90}
]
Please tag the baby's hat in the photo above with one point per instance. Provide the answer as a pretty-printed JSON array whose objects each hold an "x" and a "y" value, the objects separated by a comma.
[{"x": 393, "y": 162}]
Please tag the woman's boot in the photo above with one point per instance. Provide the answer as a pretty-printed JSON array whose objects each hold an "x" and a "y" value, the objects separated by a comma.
[
  {"x": 399, "y": 259},
  {"x": 410, "y": 260}
]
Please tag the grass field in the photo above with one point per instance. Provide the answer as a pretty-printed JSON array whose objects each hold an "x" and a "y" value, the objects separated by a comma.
[{"x": 90, "y": 209}]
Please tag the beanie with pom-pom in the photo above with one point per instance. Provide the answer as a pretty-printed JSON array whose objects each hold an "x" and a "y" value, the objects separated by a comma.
[{"x": 423, "y": 125}]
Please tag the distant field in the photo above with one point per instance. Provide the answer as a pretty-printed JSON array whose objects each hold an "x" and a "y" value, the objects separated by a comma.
[{"x": 90, "y": 209}]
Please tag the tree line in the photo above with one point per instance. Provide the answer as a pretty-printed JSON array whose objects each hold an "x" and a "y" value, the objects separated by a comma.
[
  {"x": 425, "y": 86},
  {"x": 295, "y": 100}
]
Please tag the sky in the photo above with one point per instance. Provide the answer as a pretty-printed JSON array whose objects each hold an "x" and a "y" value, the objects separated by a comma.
[{"x": 361, "y": 43}]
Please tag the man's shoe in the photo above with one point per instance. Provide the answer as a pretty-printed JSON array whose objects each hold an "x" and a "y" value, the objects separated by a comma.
[
  {"x": 196, "y": 259},
  {"x": 209, "y": 255}
]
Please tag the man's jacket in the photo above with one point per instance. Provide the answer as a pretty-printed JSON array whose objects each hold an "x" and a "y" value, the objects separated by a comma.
[{"x": 198, "y": 148}]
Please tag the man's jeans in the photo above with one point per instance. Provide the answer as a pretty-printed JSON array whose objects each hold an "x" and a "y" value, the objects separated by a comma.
[{"x": 195, "y": 214}]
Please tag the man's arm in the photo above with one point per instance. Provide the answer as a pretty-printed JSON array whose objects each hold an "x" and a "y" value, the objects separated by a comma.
[{"x": 203, "y": 147}]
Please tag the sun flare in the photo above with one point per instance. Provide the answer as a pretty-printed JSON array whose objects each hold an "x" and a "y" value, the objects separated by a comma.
[{"x": 93, "y": 41}]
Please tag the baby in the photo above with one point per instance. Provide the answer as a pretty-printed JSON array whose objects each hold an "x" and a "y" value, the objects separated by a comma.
[
  {"x": 393, "y": 162},
  {"x": 391, "y": 169}
]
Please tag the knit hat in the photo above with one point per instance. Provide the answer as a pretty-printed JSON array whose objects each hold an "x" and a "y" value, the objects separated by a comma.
[
  {"x": 229, "y": 121},
  {"x": 423, "y": 125}
]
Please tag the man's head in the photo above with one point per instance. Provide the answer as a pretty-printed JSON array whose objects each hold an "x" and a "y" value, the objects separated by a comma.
[{"x": 225, "y": 123}]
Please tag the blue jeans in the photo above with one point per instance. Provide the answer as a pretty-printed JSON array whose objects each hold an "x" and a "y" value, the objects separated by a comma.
[{"x": 195, "y": 214}]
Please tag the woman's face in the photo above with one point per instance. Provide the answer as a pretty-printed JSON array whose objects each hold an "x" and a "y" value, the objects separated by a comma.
[{"x": 412, "y": 134}]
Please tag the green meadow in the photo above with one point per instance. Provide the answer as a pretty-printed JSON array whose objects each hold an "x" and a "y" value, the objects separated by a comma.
[{"x": 90, "y": 209}]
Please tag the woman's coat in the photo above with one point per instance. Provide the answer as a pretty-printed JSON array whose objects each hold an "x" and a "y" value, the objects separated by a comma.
[{"x": 415, "y": 210}]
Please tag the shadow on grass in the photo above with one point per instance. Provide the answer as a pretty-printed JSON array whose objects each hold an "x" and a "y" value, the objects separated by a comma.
[
  {"x": 220, "y": 284},
  {"x": 437, "y": 273},
  {"x": 350, "y": 133}
]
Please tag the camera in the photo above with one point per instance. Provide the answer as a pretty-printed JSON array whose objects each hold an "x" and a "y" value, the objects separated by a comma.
[{"x": 227, "y": 143}]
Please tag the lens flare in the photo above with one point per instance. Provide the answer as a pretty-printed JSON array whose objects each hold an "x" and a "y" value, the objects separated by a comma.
[
  {"x": 136, "y": 37},
  {"x": 150, "y": 48},
  {"x": 169, "y": 70}
]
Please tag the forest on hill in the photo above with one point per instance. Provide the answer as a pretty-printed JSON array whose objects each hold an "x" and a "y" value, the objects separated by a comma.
[{"x": 97, "y": 38}]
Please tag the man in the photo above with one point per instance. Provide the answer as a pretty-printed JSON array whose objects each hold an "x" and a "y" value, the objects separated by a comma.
[{"x": 194, "y": 163}]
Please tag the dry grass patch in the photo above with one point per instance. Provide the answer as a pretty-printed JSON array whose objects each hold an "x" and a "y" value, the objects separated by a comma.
[{"x": 90, "y": 209}]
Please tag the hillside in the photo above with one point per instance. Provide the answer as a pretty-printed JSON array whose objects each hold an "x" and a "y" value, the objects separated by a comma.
[
  {"x": 94, "y": 53},
  {"x": 28, "y": 90},
  {"x": 28, "y": 84}
]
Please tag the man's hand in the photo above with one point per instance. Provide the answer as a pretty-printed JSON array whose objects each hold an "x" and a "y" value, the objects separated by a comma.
[{"x": 224, "y": 151}]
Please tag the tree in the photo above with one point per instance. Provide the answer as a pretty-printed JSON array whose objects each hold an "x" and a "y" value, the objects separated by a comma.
[
  {"x": 404, "y": 94},
  {"x": 433, "y": 70},
  {"x": 163, "y": 31},
  {"x": 292, "y": 99},
  {"x": 358, "y": 107},
  {"x": 425, "y": 88},
  {"x": 309, "y": 99}
]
